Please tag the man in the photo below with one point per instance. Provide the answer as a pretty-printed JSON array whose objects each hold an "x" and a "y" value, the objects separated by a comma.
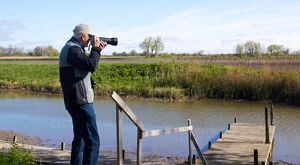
[{"x": 75, "y": 69}]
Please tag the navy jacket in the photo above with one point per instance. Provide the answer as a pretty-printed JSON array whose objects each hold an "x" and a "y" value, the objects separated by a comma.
[{"x": 75, "y": 69}]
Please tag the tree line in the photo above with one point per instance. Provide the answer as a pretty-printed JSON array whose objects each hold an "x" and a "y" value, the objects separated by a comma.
[
  {"x": 255, "y": 49},
  {"x": 153, "y": 46},
  {"x": 37, "y": 51}
]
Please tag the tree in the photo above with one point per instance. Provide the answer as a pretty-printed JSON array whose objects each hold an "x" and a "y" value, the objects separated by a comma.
[
  {"x": 296, "y": 53},
  {"x": 199, "y": 53},
  {"x": 250, "y": 48},
  {"x": 253, "y": 48},
  {"x": 39, "y": 51},
  {"x": 277, "y": 50},
  {"x": 115, "y": 54},
  {"x": 240, "y": 50},
  {"x": 11, "y": 51},
  {"x": 152, "y": 46},
  {"x": 51, "y": 51},
  {"x": 133, "y": 53},
  {"x": 146, "y": 45},
  {"x": 45, "y": 51},
  {"x": 123, "y": 54},
  {"x": 158, "y": 45},
  {"x": 2, "y": 50}
]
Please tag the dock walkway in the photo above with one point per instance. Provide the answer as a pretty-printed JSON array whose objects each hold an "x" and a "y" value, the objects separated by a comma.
[{"x": 237, "y": 145}]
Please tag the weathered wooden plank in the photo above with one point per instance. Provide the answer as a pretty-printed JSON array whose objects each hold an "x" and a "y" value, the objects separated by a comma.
[
  {"x": 149, "y": 133},
  {"x": 238, "y": 144},
  {"x": 200, "y": 154},
  {"x": 127, "y": 110}
]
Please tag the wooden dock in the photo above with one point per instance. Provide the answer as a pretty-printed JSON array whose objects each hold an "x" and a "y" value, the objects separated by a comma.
[{"x": 237, "y": 145}]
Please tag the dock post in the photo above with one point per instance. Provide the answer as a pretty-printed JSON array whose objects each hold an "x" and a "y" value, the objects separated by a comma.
[
  {"x": 119, "y": 135},
  {"x": 123, "y": 154},
  {"x": 255, "y": 157},
  {"x": 221, "y": 133},
  {"x": 267, "y": 126},
  {"x": 190, "y": 143},
  {"x": 139, "y": 146},
  {"x": 62, "y": 146},
  {"x": 271, "y": 114},
  {"x": 15, "y": 139},
  {"x": 229, "y": 126},
  {"x": 194, "y": 159}
]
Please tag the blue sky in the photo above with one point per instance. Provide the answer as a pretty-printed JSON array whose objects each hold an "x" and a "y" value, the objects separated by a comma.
[{"x": 186, "y": 26}]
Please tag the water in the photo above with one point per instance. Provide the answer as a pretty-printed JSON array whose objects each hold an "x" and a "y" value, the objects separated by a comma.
[{"x": 44, "y": 116}]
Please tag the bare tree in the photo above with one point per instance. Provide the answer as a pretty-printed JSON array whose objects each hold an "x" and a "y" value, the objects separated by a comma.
[{"x": 147, "y": 44}]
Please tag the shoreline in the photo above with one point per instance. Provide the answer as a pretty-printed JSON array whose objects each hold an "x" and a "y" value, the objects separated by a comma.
[
  {"x": 134, "y": 97},
  {"x": 54, "y": 155},
  {"x": 140, "y": 99},
  {"x": 167, "y": 82}
]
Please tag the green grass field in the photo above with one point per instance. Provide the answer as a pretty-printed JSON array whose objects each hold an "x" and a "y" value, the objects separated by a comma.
[{"x": 171, "y": 80}]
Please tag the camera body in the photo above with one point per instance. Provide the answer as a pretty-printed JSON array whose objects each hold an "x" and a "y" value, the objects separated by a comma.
[{"x": 110, "y": 41}]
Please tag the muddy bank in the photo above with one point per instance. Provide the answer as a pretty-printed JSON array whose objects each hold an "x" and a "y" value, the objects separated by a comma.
[
  {"x": 49, "y": 155},
  {"x": 8, "y": 136}
]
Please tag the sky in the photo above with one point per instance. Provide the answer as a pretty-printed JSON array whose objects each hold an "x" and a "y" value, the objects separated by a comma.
[{"x": 185, "y": 26}]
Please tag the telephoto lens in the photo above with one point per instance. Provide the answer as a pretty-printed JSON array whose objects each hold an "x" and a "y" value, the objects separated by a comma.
[{"x": 110, "y": 41}]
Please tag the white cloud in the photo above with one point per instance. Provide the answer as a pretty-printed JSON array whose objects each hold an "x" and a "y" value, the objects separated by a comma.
[
  {"x": 219, "y": 31},
  {"x": 215, "y": 27}
]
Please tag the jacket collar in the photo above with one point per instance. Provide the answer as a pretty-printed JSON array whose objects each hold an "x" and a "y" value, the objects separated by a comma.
[{"x": 74, "y": 40}]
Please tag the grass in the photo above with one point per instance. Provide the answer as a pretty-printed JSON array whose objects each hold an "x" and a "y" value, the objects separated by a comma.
[
  {"x": 17, "y": 156},
  {"x": 169, "y": 80}
]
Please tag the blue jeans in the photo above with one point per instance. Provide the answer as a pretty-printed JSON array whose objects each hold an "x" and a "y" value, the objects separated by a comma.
[{"x": 86, "y": 142}]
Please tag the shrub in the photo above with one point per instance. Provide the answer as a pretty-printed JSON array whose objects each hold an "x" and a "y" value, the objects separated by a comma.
[{"x": 17, "y": 156}]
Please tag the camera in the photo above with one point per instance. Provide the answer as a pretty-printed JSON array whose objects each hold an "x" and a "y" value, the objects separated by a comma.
[{"x": 110, "y": 41}]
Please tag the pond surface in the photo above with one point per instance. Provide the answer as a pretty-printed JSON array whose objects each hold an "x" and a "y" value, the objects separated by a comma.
[{"x": 44, "y": 116}]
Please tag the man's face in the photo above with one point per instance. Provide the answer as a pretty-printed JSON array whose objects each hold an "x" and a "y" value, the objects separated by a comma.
[{"x": 85, "y": 40}]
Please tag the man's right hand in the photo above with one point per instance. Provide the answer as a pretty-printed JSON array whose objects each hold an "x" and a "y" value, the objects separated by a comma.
[{"x": 96, "y": 42}]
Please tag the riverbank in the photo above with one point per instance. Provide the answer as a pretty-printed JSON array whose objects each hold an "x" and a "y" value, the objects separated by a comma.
[{"x": 167, "y": 81}]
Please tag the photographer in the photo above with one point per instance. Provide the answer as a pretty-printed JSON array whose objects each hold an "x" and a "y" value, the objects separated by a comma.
[{"x": 75, "y": 69}]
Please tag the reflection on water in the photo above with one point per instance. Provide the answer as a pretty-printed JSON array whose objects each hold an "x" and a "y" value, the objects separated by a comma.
[{"x": 44, "y": 116}]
